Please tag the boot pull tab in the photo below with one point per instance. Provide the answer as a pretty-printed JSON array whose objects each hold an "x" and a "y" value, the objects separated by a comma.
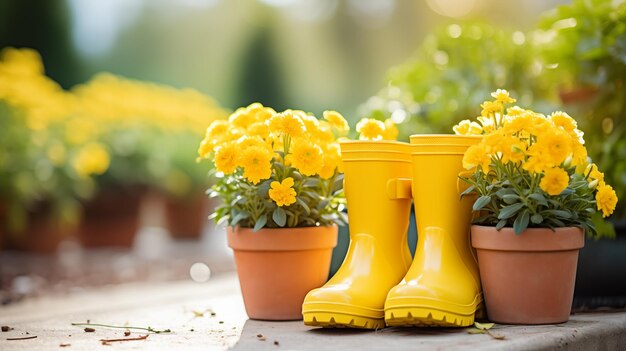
[{"x": 399, "y": 188}]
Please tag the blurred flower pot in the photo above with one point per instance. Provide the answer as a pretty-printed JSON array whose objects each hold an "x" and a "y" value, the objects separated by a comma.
[
  {"x": 42, "y": 233},
  {"x": 111, "y": 218},
  {"x": 578, "y": 95},
  {"x": 277, "y": 267},
  {"x": 186, "y": 217},
  {"x": 528, "y": 278}
]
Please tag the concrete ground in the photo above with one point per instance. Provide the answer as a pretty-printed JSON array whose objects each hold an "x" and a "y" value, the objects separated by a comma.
[{"x": 211, "y": 316}]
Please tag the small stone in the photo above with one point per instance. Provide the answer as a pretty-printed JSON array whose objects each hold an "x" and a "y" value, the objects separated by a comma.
[
  {"x": 276, "y": 342},
  {"x": 89, "y": 330},
  {"x": 65, "y": 345},
  {"x": 221, "y": 322},
  {"x": 6, "y": 328},
  {"x": 126, "y": 333}
]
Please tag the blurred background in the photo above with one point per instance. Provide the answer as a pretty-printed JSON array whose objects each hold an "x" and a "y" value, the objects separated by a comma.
[{"x": 103, "y": 104}]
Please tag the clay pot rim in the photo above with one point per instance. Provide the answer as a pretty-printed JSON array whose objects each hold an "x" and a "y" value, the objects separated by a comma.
[
  {"x": 531, "y": 239},
  {"x": 282, "y": 239}
]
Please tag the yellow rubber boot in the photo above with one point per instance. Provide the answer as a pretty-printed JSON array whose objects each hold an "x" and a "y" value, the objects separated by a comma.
[
  {"x": 442, "y": 286},
  {"x": 377, "y": 187}
]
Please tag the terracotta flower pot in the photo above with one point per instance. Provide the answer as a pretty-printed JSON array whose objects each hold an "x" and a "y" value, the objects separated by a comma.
[
  {"x": 111, "y": 219},
  {"x": 186, "y": 217},
  {"x": 278, "y": 267},
  {"x": 42, "y": 235},
  {"x": 528, "y": 278}
]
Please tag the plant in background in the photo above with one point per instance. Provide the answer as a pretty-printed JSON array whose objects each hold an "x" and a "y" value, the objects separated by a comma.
[
  {"x": 531, "y": 170},
  {"x": 43, "y": 169},
  {"x": 583, "y": 45},
  {"x": 451, "y": 72},
  {"x": 276, "y": 169}
]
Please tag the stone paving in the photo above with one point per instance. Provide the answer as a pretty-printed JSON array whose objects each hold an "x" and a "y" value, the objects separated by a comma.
[{"x": 211, "y": 316}]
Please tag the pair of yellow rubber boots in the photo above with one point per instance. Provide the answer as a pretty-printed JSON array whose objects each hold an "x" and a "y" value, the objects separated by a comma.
[{"x": 377, "y": 284}]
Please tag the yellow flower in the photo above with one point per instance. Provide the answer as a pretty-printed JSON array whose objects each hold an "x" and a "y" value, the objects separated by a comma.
[
  {"x": 476, "y": 155},
  {"x": 502, "y": 96},
  {"x": 515, "y": 111},
  {"x": 259, "y": 129},
  {"x": 283, "y": 193},
  {"x": 553, "y": 145},
  {"x": 226, "y": 157},
  {"x": 242, "y": 118},
  {"x": 391, "y": 130},
  {"x": 205, "y": 148},
  {"x": 606, "y": 199},
  {"x": 466, "y": 127},
  {"x": 594, "y": 173},
  {"x": 332, "y": 161},
  {"x": 487, "y": 124},
  {"x": 337, "y": 121},
  {"x": 306, "y": 157},
  {"x": 554, "y": 181},
  {"x": 255, "y": 161},
  {"x": 370, "y": 129},
  {"x": 563, "y": 120},
  {"x": 286, "y": 123},
  {"x": 92, "y": 159},
  {"x": 216, "y": 131},
  {"x": 490, "y": 108}
]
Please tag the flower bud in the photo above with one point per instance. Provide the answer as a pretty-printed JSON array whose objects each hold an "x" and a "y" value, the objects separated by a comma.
[
  {"x": 593, "y": 184},
  {"x": 568, "y": 162}
]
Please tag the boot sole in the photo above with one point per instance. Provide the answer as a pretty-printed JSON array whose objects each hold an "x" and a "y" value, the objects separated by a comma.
[
  {"x": 339, "y": 320},
  {"x": 431, "y": 313}
]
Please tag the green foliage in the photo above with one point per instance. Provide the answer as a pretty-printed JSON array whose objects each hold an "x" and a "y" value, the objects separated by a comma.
[
  {"x": 450, "y": 74},
  {"x": 584, "y": 43},
  {"x": 509, "y": 196},
  {"x": 319, "y": 202}
]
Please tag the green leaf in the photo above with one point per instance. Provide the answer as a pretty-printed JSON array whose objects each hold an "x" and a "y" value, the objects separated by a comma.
[
  {"x": 468, "y": 190},
  {"x": 304, "y": 205},
  {"x": 560, "y": 213},
  {"x": 263, "y": 188},
  {"x": 279, "y": 216},
  {"x": 481, "y": 202},
  {"x": 501, "y": 224},
  {"x": 260, "y": 223},
  {"x": 539, "y": 198},
  {"x": 536, "y": 218},
  {"x": 521, "y": 222},
  {"x": 311, "y": 183},
  {"x": 241, "y": 215},
  {"x": 323, "y": 204},
  {"x": 510, "y": 198},
  {"x": 510, "y": 211}
]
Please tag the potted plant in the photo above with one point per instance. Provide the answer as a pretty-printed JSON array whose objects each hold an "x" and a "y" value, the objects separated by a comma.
[
  {"x": 279, "y": 178},
  {"x": 582, "y": 43},
  {"x": 537, "y": 194},
  {"x": 46, "y": 172},
  {"x": 142, "y": 124}
]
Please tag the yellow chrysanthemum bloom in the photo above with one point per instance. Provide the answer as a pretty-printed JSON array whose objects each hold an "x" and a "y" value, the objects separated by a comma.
[
  {"x": 226, "y": 157},
  {"x": 466, "y": 127},
  {"x": 92, "y": 159},
  {"x": 286, "y": 123},
  {"x": 594, "y": 173},
  {"x": 256, "y": 164},
  {"x": 502, "y": 96},
  {"x": 563, "y": 120},
  {"x": 337, "y": 121},
  {"x": 515, "y": 111},
  {"x": 554, "y": 181},
  {"x": 370, "y": 129},
  {"x": 242, "y": 118},
  {"x": 259, "y": 129},
  {"x": 332, "y": 161},
  {"x": 490, "y": 108},
  {"x": 488, "y": 124},
  {"x": 306, "y": 156},
  {"x": 283, "y": 194},
  {"x": 216, "y": 130},
  {"x": 476, "y": 155},
  {"x": 554, "y": 145},
  {"x": 606, "y": 199}
]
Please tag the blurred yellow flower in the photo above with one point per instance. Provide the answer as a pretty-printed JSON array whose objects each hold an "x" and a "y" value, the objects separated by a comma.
[
  {"x": 255, "y": 161},
  {"x": 337, "y": 121},
  {"x": 593, "y": 173},
  {"x": 554, "y": 145},
  {"x": 306, "y": 156},
  {"x": 332, "y": 161},
  {"x": 92, "y": 159},
  {"x": 563, "y": 120},
  {"x": 606, "y": 199},
  {"x": 491, "y": 107},
  {"x": 554, "y": 181},
  {"x": 226, "y": 157},
  {"x": 391, "y": 130},
  {"x": 466, "y": 127},
  {"x": 370, "y": 129},
  {"x": 283, "y": 193},
  {"x": 502, "y": 96},
  {"x": 286, "y": 123}
]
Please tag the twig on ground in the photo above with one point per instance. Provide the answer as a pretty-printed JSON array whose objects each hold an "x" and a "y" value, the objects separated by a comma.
[
  {"x": 148, "y": 329},
  {"x": 108, "y": 341},
  {"x": 22, "y": 338}
]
